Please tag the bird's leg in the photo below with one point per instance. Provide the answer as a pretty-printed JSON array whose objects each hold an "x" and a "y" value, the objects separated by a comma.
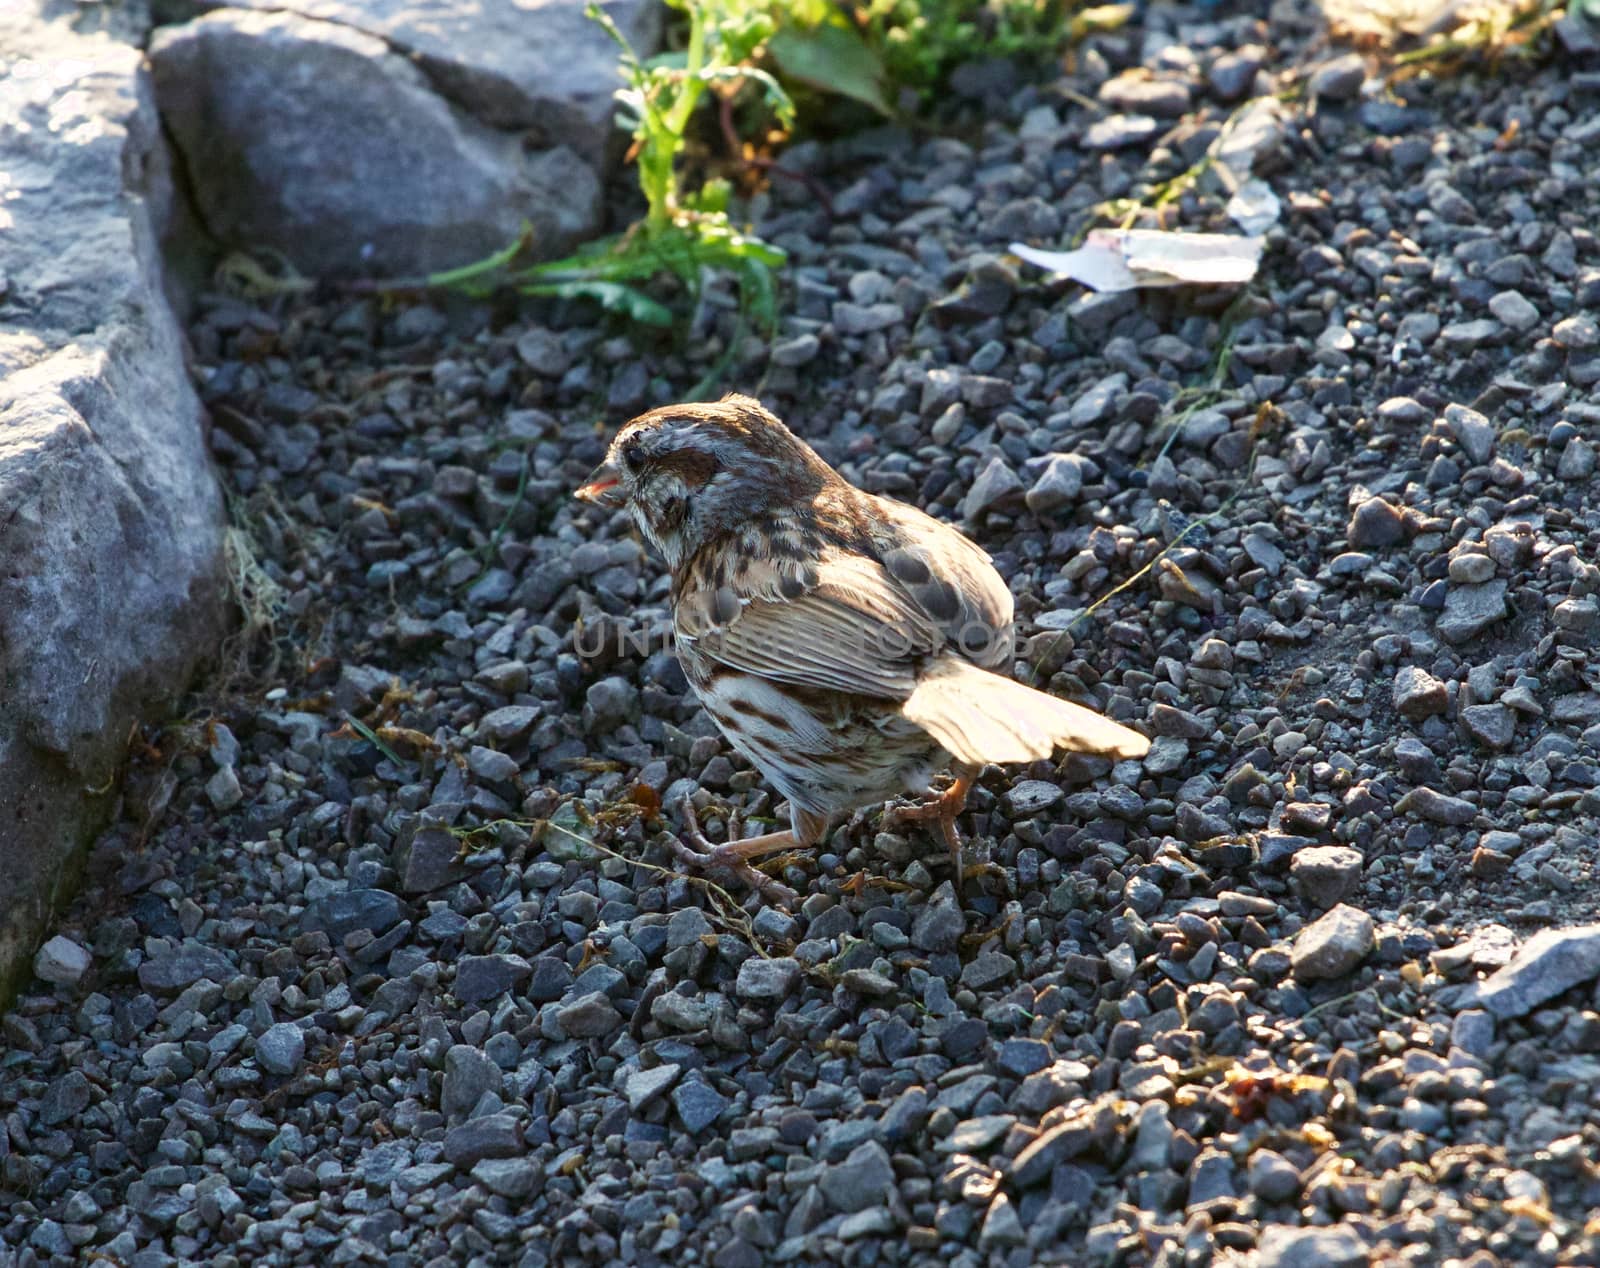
[
  {"x": 944, "y": 807},
  {"x": 735, "y": 855}
]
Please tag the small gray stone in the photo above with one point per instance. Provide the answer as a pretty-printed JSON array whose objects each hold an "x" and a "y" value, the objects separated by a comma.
[
  {"x": 491, "y": 764},
  {"x": 863, "y": 1179},
  {"x": 1418, "y": 694},
  {"x": 1375, "y": 522},
  {"x": 61, "y": 961},
  {"x": 1028, "y": 797},
  {"x": 763, "y": 979},
  {"x": 1473, "y": 1031},
  {"x": 1470, "y": 568},
  {"x": 513, "y": 1178},
  {"x": 1549, "y": 963},
  {"x": 644, "y": 1086},
  {"x": 1272, "y": 1177},
  {"x": 490, "y": 1136},
  {"x": 508, "y": 723},
  {"x": 1339, "y": 79},
  {"x": 590, "y": 1016},
  {"x": 796, "y": 352},
  {"x": 1001, "y": 1226},
  {"x": 1326, "y": 874},
  {"x": 1437, "y": 807},
  {"x": 986, "y": 969},
  {"x": 608, "y": 704},
  {"x": 938, "y": 924},
  {"x": 1469, "y": 610},
  {"x": 1492, "y": 725},
  {"x": 483, "y": 977},
  {"x": 687, "y": 926},
  {"x": 1137, "y": 94},
  {"x": 1464, "y": 336},
  {"x": 468, "y": 1074},
  {"x": 698, "y": 1105},
  {"x": 1403, "y": 411},
  {"x": 1119, "y": 131},
  {"x": 223, "y": 790},
  {"x": 183, "y": 966},
  {"x": 863, "y": 319},
  {"x": 339, "y": 915},
  {"x": 1058, "y": 485},
  {"x": 281, "y": 1049},
  {"x": 1232, "y": 74},
  {"x": 1022, "y": 1057},
  {"x": 1049, "y": 1150},
  {"x": 1334, "y": 945},
  {"x": 429, "y": 860},
  {"x": 997, "y": 483},
  {"x": 65, "y": 1098},
  {"x": 1579, "y": 333},
  {"x": 1511, "y": 308},
  {"x": 1472, "y": 431},
  {"x": 1339, "y": 1246},
  {"x": 1579, "y": 615}
]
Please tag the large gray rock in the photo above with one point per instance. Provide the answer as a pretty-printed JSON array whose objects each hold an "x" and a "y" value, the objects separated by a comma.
[
  {"x": 537, "y": 66},
  {"x": 394, "y": 138},
  {"x": 111, "y": 525}
]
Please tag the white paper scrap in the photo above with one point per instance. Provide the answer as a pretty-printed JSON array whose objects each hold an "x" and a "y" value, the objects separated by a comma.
[{"x": 1128, "y": 259}]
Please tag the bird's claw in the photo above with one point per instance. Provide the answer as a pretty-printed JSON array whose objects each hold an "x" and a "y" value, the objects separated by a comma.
[{"x": 694, "y": 849}]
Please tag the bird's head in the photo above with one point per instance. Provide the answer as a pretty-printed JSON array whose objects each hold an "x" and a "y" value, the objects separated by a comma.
[{"x": 691, "y": 472}]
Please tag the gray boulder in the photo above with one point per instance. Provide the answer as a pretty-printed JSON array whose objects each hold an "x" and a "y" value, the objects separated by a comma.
[
  {"x": 111, "y": 524},
  {"x": 381, "y": 138},
  {"x": 534, "y": 66}
]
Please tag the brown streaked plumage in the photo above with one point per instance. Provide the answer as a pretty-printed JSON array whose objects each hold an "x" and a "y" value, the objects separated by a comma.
[{"x": 850, "y": 646}]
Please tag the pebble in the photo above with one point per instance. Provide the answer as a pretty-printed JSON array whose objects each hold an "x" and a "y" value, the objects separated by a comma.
[
  {"x": 1550, "y": 962},
  {"x": 1471, "y": 609},
  {"x": 767, "y": 979},
  {"x": 698, "y": 1106},
  {"x": 997, "y": 483},
  {"x": 281, "y": 1049},
  {"x": 1334, "y": 945},
  {"x": 1375, "y": 523},
  {"x": 1472, "y": 431},
  {"x": 589, "y": 1016},
  {"x": 61, "y": 961},
  {"x": 1340, "y": 78},
  {"x": 1058, "y": 485},
  {"x": 1336, "y": 1247},
  {"x": 1418, "y": 694},
  {"x": 1326, "y": 875},
  {"x": 1512, "y": 309},
  {"x": 223, "y": 789},
  {"x": 864, "y": 1179},
  {"x": 1437, "y": 807}
]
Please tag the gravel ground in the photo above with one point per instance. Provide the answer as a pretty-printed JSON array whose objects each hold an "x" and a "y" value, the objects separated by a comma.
[{"x": 1311, "y": 984}]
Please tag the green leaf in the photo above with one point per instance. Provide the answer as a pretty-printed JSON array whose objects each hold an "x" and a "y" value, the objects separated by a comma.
[
  {"x": 834, "y": 59},
  {"x": 614, "y": 296}
]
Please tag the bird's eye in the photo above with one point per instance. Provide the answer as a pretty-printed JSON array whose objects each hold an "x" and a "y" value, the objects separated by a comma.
[{"x": 633, "y": 455}]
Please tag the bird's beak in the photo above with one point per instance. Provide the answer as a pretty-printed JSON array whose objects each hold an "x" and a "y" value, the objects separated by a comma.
[{"x": 604, "y": 487}]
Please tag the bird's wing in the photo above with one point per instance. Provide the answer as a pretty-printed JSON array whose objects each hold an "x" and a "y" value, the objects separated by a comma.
[
  {"x": 950, "y": 578},
  {"x": 840, "y": 623}
]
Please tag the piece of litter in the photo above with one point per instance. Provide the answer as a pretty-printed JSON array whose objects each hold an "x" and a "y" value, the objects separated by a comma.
[
  {"x": 1128, "y": 259},
  {"x": 1254, "y": 207}
]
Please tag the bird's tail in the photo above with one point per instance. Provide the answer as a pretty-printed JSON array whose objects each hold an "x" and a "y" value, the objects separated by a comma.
[{"x": 980, "y": 717}]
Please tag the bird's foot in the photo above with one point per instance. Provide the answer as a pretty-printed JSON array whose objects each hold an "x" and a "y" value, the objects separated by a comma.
[
  {"x": 942, "y": 809},
  {"x": 734, "y": 855}
]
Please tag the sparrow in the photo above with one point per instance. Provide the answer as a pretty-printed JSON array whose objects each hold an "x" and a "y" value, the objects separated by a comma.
[{"x": 850, "y": 646}]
